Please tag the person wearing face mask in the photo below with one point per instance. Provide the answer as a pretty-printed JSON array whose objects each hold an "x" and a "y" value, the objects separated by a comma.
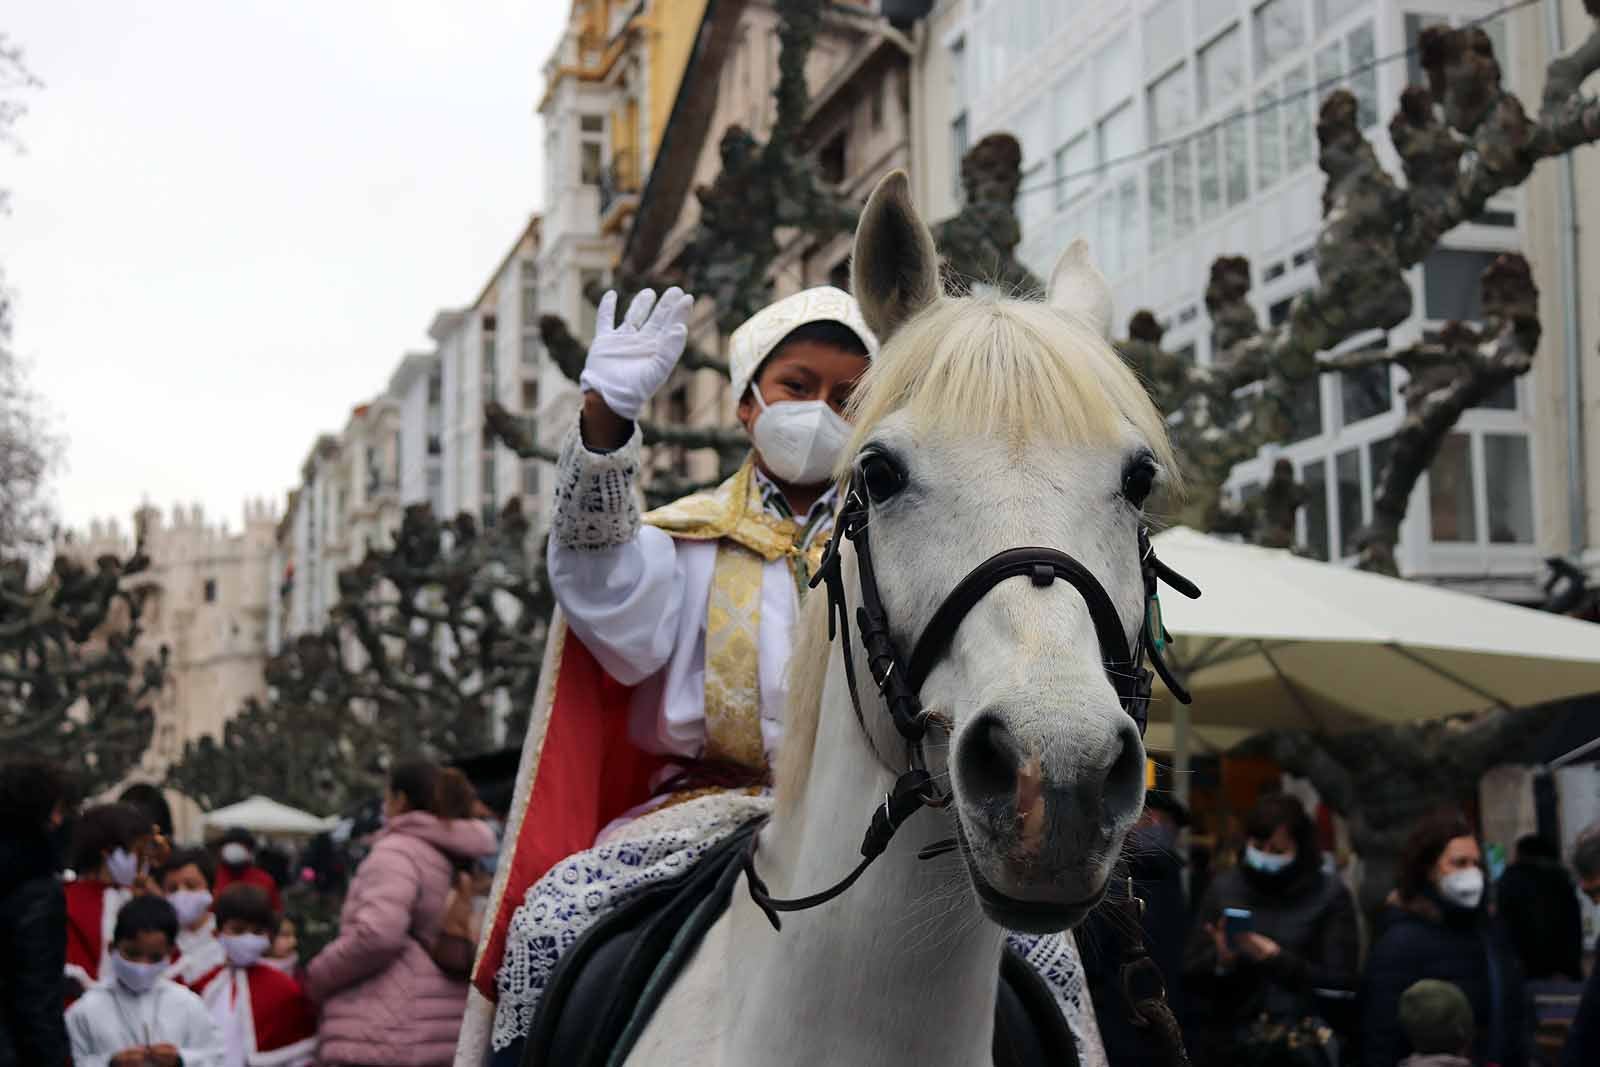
[
  {"x": 109, "y": 843},
  {"x": 237, "y": 852},
  {"x": 263, "y": 1013},
  {"x": 135, "y": 1017},
  {"x": 667, "y": 660},
  {"x": 1438, "y": 926},
  {"x": 185, "y": 881},
  {"x": 1301, "y": 938}
]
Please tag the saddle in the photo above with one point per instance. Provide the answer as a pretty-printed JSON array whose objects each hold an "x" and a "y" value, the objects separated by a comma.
[{"x": 609, "y": 983}]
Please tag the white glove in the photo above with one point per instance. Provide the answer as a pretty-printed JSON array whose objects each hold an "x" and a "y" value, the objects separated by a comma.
[{"x": 628, "y": 363}]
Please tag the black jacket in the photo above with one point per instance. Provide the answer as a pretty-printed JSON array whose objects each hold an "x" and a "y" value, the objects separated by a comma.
[
  {"x": 1426, "y": 939},
  {"x": 33, "y": 951},
  {"x": 1583, "y": 1041},
  {"x": 1539, "y": 906},
  {"x": 1312, "y": 917}
]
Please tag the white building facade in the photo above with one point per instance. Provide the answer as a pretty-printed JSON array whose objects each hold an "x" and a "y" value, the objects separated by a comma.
[{"x": 1174, "y": 131}]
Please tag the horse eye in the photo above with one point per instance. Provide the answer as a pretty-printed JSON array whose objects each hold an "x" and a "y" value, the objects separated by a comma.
[
  {"x": 1138, "y": 478},
  {"x": 881, "y": 476}
]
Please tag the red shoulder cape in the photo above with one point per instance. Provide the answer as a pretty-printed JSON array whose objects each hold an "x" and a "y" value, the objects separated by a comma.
[
  {"x": 281, "y": 1025},
  {"x": 579, "y": 771}
]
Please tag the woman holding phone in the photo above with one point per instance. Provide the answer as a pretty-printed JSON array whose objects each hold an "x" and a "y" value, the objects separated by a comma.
[{"x": 1270, "y": 935}]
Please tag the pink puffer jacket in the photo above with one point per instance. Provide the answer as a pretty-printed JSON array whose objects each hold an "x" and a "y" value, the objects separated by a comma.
[{"x": 384, "y": 1001}]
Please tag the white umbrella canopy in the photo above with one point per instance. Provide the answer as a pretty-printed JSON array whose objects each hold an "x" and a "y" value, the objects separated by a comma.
[
  {"x": 1278, "y": 641},
  {"x": 263, "y": 815}
]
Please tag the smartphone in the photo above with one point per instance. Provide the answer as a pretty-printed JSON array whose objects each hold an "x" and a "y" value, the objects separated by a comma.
[{"x": 1236, "y": 921}]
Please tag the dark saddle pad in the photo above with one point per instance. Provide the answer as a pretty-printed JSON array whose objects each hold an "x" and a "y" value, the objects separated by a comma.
[{"x": 609, "y": 983}]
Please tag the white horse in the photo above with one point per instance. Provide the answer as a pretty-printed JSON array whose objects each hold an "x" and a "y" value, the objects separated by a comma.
[{"x": 984, "y": 424}]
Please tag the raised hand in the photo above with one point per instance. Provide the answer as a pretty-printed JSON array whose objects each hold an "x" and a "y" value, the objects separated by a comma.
[{"x": 630, "y": 360}]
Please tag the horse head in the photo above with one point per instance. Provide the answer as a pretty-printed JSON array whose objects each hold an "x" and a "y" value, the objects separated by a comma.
[{"x": 985, "y": 424}]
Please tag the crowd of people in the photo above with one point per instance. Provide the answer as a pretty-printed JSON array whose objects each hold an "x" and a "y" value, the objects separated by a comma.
[
  {"x": 118, "y": 950},
  {"x": 1279, "y": 966}
]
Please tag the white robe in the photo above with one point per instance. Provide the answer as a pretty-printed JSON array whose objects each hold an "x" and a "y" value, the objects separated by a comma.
[
  {"x": 199, "y": 953},
  {"x": 640, "y": 608},
  {"x": 109, "y": 1018}
]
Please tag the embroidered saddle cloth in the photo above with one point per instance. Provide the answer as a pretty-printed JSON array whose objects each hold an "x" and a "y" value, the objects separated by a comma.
[
  {"x": 598, "y": 940},
  {"x": 607, "y": 987}
]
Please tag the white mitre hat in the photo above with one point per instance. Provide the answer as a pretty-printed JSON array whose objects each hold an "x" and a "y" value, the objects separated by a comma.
[{"x": 753, "y": 342}]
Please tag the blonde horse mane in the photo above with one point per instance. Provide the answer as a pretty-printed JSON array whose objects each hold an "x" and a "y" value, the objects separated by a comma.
[{"x": 976, "y": 366}]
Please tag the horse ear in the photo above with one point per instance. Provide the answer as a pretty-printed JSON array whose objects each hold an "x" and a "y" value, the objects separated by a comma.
[
  {"x": 894, "y": 270},
  {"x": 1078, "y": 288}
]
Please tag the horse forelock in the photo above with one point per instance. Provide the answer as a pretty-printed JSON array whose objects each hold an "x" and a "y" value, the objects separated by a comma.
[{"x": 976, "y": 367}]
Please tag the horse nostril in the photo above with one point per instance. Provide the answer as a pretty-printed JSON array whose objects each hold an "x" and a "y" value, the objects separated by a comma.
[
  {"x": 1124, "y": 788},
  {"x": 987, "y": 762}
]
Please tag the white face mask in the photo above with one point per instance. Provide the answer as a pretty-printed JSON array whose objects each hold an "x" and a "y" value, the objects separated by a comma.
[
  {"x": 137, "y": 977},
  {"x": 190, "y": 904},
  {"x": 799, "y": 440},
  {"x": 235, "y": 854},
  {"x": 1267, "y": 862},
  {"x": 244, "y": 950},
  {"x": 123, "y": 866},
  {"x": 1463, "y": 887}
]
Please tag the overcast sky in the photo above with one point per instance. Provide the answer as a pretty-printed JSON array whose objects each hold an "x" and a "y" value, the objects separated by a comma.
[{"x": 232, "y": 219}]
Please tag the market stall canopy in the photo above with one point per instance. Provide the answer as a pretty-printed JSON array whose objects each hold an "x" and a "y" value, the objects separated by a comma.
[
  {"x": 1277, "y": 641},
  {"x": 263, "y": 815}
]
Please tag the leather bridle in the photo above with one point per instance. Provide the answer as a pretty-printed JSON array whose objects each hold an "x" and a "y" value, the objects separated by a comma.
[{"x": 900, "y": 681}]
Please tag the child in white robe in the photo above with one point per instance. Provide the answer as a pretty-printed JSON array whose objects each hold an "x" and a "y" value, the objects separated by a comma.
[{"x": 135, "y": 1017}]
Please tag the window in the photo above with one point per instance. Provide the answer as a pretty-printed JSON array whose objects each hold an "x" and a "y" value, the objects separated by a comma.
[
  {"x": 1331, "y": 11},
  {"x": 1364, "y": 393},
  {"x": 1361, "y": 56},
  {"x": 530, "y": 294},
  {"x": 1160, "y": 213},
  {"x": 1183, "y": 190},
  {"x": 1209, "y": 165},
  {"x": 1118, "y": 135},
  {"x": 1347, "y": 469},
  {"x": 211, "y": 591},
  {"x": 1269, "y": 138},
  {"x": 530, "y": 397},
  {"x": 1312, "y": 476},
  {"x": 1115, "y": 70},
  {"x": 958, "y": 151},
  {"x": 1171, "y": 105},
  {"x": 1298, "y": 126},
  {"x": 1508, "y": 477},
  {"x": 1163, "y": 35},
  {"x": 486, "y": 486},
  {"x": 490, "y": 373},
  {"x": 1451, "y": 284},
  {"x": 1222, "y": 72},
  {"x": 1280, "y": 30},
  {"x": 591, "y": 149},
  {"x": 1073, "y": 163},
  {"x": 434, "y": 447},
  {"x": 530, "y": 349},
  {"x": 1305, "y": 409},
  {"x": 830, "y": 161},
  {"x": 435, "y": 387},
  {"x": 588, "y": 279},
  {"x": 1209, "y": 14},
  {"x": 1236, "y": 157},
  {"x": 1450, "y": 507},
  {"x": 530, "y": 477},
  {"x": 875, "y": 105}
]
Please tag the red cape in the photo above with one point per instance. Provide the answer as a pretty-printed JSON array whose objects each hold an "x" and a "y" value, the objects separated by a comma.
[
  {"x": 579, "y": 771},
  {"x": 89, "y": 925},
  {"x": 280, "y": 1022}
]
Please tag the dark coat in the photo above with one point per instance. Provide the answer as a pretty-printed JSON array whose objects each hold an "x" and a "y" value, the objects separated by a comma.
[
  {"x": 1538, "y": 905},
  {"x": 1158, "y": 880},
  {"x": 33, "y": 951},
  {"x": 1583, "y": 1041},
  {"x": 1312, "y": 917},
  {"x": 1423, "y": 939}
]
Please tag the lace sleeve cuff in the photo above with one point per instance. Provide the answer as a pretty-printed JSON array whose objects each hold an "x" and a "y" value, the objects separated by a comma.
[{"x": 596, "y": 506}]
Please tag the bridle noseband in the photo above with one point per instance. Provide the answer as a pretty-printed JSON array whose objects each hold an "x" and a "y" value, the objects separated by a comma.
[{"x": 899, "y": 682}]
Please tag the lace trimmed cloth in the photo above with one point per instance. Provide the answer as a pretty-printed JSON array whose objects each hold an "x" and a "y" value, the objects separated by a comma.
[
  {"x": 596, "y": 507},
  {"x": 575, "y": 893}
]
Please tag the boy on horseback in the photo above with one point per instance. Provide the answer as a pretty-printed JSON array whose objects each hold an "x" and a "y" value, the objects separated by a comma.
[{"x": 664, "y": 676}]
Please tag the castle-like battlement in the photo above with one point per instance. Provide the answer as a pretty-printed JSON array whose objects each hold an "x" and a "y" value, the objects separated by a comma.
[{"x": 182, "y": 534}]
